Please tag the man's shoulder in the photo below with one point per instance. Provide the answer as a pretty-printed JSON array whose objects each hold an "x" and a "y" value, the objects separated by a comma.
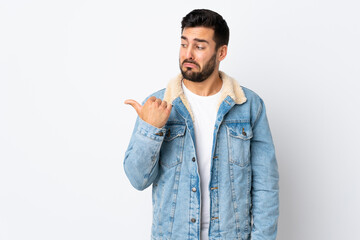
[
  {"x": 251, "y": 108},
  {"x": 251, "y": 95}
]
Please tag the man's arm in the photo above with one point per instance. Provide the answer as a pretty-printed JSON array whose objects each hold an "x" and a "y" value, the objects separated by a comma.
[
  {"x": 265, "y": 180},
  {"x": 142, "y": 155},
  {"x": 141, "y": 161}
]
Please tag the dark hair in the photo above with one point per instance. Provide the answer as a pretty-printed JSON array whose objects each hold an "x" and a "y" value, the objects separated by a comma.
[{"x": 210, "y": 19}]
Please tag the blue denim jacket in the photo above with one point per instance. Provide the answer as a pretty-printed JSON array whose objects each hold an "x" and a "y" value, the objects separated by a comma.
[{"x": 244, "y": 191}]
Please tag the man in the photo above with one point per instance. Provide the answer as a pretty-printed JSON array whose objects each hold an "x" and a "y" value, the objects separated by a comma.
[{"x": 205, "y": 145}]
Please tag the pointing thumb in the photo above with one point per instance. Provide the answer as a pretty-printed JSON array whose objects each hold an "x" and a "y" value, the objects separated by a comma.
[{"x": 134, "y": 104}]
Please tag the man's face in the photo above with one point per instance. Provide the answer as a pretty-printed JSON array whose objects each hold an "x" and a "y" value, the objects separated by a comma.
[{"x": 198, "y": 57}]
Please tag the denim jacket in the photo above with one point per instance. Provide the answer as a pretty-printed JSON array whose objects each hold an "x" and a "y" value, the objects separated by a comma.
[{"x": 244, "y": 191}]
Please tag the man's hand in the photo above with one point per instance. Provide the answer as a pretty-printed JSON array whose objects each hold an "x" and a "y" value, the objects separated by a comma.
[{"x": 154, "y": 111}]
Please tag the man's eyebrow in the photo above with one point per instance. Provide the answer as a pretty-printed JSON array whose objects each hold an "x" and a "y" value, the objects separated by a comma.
[
  {"x": 201, "y": 40},
  {"x": 195, "y": 39}
]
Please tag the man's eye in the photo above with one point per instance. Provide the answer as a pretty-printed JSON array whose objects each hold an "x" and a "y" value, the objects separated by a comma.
[
  {"x": 200, "y": 47},
  {"x": 183, "y": 45}
]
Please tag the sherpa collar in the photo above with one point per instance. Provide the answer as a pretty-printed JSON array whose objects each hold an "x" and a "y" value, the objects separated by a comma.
[{"x": 230, "y": 88}]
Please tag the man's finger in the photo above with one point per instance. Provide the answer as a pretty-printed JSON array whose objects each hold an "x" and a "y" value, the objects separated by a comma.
[
  {"x": 134, "y": 104},
  {"x": 163, "y": 104},
  {"x": 152, "y": 98},
  {"x": 158, "y": 100},
  {"x": 169, "y": 107}
]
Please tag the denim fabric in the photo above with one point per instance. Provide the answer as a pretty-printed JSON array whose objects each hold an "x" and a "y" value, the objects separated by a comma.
[{"x": 244, "y": 190}]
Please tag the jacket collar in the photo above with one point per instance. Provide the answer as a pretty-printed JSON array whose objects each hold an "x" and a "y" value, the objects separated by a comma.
[{"x": 230, "y": 88}]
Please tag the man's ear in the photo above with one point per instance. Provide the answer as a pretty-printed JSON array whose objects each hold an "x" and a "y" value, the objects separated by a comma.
[{"x": 221, "y": 52}]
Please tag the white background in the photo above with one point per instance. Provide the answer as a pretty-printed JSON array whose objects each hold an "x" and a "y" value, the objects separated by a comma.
[{"x": 66, "y": 68}]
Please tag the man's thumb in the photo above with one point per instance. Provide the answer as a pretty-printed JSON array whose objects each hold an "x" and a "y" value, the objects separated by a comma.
[{"x": 134, "y": 104}]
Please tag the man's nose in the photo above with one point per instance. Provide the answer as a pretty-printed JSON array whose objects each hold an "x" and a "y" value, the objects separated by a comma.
[{"x": 189, "y": 54}]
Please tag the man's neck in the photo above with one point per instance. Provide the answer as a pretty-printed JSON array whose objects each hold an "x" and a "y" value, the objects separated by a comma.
[{"x": 208, "y": 87}]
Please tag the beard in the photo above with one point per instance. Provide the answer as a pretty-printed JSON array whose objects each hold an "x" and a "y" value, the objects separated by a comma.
[{"x": 209, "y": 68}]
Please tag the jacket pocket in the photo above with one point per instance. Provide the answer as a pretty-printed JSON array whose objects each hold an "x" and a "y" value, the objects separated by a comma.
[
  {"x": 172, "y": 146},
  {"x": 239, "y": 135}
]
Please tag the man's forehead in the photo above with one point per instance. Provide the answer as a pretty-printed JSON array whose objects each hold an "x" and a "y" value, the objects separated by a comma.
[{"x": 196, "y": 33}]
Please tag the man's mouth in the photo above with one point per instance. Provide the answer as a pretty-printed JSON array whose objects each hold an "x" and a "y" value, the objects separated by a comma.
[{"x": 190, "y": 65}]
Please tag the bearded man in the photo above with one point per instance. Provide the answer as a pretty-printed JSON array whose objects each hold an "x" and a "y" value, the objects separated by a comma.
[{"x": 204, "y": 144}]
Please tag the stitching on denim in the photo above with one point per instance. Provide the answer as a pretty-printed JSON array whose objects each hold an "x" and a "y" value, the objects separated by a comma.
[
  {"x": 248, "y": 199},
  {"x": 145, "y": 133},
  {"x": 231, "y": 168},
  {"x": 159, "y": 222},
  {"x": 258, "y": 113},
  {"x": 174, "y": 122},
  {"x": 236, "y": 121},
  {"x": 249, "y": 135},
  {"x": 231, "y": 158},
  {"x": 180, "y": 132},
  {"x": 155, "y": 159},
  {"x": 181, "y": 147},
  {"x": 175, "y": 195},
  {"x": 234, "y": 199}
]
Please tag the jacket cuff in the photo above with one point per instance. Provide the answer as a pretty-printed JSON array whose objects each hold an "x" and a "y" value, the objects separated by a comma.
[{"x": 151, "y": 131}]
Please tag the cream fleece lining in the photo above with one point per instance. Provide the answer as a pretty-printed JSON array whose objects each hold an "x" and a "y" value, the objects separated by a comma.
[{"x": 230, "y": 88}]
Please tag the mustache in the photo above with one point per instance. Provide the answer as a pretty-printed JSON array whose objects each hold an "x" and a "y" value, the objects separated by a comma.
[{"x": 190, "y": 61}]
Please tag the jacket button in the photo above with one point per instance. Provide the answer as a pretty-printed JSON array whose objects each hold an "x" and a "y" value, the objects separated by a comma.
[
  {"x": 193, "y": 189},
  {"x": 193, "y": 220},
  {"x": 243, "y": 132},
  {"x": 193, "y": 159},
  {"x": 159, "y": 133}
]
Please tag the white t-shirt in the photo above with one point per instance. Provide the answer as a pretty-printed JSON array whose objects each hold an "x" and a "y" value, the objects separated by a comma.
[{"x": 204, "y": 109}]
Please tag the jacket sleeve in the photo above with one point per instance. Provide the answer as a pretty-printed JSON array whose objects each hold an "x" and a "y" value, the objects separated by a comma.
[
  {"x": 141, "y": 163},
  {"x": 265, "y": 180}
]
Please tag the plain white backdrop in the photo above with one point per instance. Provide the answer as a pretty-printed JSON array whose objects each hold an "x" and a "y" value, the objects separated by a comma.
[{"x": 66, "y": 68}]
